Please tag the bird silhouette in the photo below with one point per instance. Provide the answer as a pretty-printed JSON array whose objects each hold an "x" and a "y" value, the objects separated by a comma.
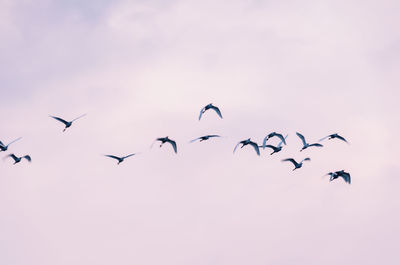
[
  {"x": 66, "y": 123},
  {"x": 210, "y": 106},
  {"x": 305, "y": 144},
  {"x": 4, "y": 147},
  {"x": 248, "y": 142},
  {"x": 18, "y": 159},
  {"x": 275, "y": 149},
  {"x": 120, "y": 159},
  {"x": 164, "y": 140},
  {"x": 283, "y": 139},
  {"x": 296, "y": 165},
  {"x": 342, "y": 174},
  {"x": 333, "y": 136},
  {"x": 204, "y": 138}
]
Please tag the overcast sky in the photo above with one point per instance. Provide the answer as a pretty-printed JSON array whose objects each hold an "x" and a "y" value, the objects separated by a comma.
[{"x": 144, "y": 69}]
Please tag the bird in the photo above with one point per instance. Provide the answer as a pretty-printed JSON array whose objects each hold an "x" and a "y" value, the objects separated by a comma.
[
  {"x": 204, "y": 138},
  {"x": 66, "y": 123},
  {"x": 296, "y": 165},
  {"x": 283, "y": 139},
  {"x": 246, "y": 142},
  {"x": 18, "y": 159},
  {"x": 164, "y": 140},
  {"x": 342, "y": 174},
  {"x": 120, "y": 159},
  {"x": 210, "y": 106},
  {"x": 305, "y": 144},
  {"x": 275, "y": 149},
  {"x": 333, "y": 136},
  {"x": 4, "y": 147}
]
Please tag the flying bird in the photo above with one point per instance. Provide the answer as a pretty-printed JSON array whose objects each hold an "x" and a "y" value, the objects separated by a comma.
[
  {"x": 342, "y": 174},
  {"x": 305, "y": 144},
  {"x": 210, "y": 106},
  {"x": 204, "y": 138},
  {"x": 283, "y": 139},
  {"x": 333, "y": 136},
  {"x": 4, "y": 147},
  {"x": 66, "y": 123},
  {"x": 18, "y": 159},
  {"x": 296, "y": 165},
  {"x": 164, "y": 140},
  {"x": 120, "y": 159},
  {"x": 275, "y": 149},
  {"x": 246, "y": 142}
]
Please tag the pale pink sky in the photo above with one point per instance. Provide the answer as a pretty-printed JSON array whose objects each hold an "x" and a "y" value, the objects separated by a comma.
[{"x": 144, "y": 69}]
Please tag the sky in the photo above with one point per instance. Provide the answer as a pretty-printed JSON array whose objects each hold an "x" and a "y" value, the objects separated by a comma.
[{"x": 144, "y": 69}]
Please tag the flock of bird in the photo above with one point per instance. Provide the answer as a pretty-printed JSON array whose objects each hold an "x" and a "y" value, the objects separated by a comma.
[{"x": 275, "y": 149}]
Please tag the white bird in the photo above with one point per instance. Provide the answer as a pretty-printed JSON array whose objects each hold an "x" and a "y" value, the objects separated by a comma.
[
  {"x": 120, "y": 159},
  {"x": 164, "y": 140},
  {"x": 210, "y": 106},
  {"x": 246, "y": 142},
  {"x": 275, "y": 149},
  {"x": 4, "y": 147},
  {"x": 204, "y": 138},
  {"x": 305, "y": 144},
  {"x": 18, "y": 159},
  {"x": 342, "y": 174},
  {"x": 333, "y": 136},
  {"x": 296, "y": 165},
  {"x": 283, "y": 139},
  {"x": 66, "y": 123}
]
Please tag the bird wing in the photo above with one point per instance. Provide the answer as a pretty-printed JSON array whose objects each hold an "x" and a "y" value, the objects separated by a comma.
[
  {"x": 302, "y": 138},
  {"x": 280, "y": 136},
  {"x": 27, "y": 157},
  {"x": 112, "y": 156},
  {"x": 255, "y": 146},
  {"x": 237, "y": 146},
  {"x": 213, "y": 135},
  {"x": 291, "y": 160},
  {"x": 194, "y": 140},
  {"x": 280, "y": 144},
  {"x": 316, "y": 144},
  {"x": 13, "y": 141},
  {"x": 13, "y": 157},
  {"x": 346, "y": 177},
  {"x": 341, "y": 138},
  {"x": 173, "y": 143},
  {"x": 59, "y": 119},
  {"x": 217, "y": 111},
  {"x": 129, "y": 155},
  {"x": 158, "y": 139},
  {"x": 265, "y": 141},
  {"x": 201, "y": 112},
  {"x": 332, "y": 176},
  {"x": 272, "y": 147},
  {"x": 1, "y": 144},
  {"x": 306, "y": 159},
  {"x": 325, "y": 138},
  {"x": 78, "y": 117}
]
